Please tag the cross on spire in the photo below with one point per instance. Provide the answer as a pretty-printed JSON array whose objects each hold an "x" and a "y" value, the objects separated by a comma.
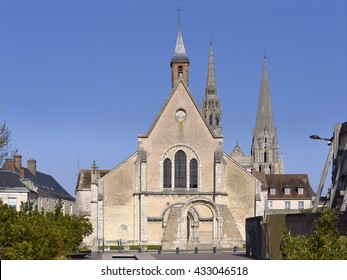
[{"x": 179, "y": 10}]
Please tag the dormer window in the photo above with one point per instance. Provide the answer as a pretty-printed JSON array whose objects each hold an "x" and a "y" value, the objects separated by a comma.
[
  {"x": 300, "y": 190},
  {"x": 272, "y": 191},
  {"x": 287, "y": 191}
]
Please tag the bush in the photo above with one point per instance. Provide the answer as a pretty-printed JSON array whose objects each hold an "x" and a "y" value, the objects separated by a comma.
[
  {"x": 153, "y": 247},
  {"x": 31, "y": 235},
  {"x": 325, "y": 242}
]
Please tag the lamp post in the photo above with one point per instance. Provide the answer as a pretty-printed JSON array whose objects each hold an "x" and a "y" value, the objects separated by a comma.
[
  {"x": 325, "y": 170},
  {"x": 316, "y": 137}
]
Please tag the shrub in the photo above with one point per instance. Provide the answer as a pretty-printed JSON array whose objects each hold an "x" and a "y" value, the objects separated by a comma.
[{"x": 325, "y": 242}]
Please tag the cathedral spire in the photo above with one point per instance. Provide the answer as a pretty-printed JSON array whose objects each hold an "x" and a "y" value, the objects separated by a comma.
[
  {"x": 265, "y": 151},
  {"x": 211, "y": 82},
  {"x": 264, "y": 116},
  {"x": 180, "y": 61},
  {"x": 211, "y": 104}
]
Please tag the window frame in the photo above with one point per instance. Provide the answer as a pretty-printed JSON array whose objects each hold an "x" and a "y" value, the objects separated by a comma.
[
  {"x": 180, "y": 170},
  {"x": 193, "y": 174},
  {"x": 191, "y": 156},
  {"x": 12, "y": 202},
  {"x": 167, "y": 174},
  {"x": 270, "y": 204}
]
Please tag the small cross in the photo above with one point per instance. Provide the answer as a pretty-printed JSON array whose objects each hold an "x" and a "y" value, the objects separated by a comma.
[{"x": 179, "y": 10}]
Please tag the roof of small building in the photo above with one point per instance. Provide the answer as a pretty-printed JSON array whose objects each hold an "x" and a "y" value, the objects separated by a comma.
[
  {"x": 85, "y": 178},
  {"x": 281, "y": 181}
]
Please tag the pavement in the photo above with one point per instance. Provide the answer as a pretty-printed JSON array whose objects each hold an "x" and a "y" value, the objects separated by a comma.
[{"x": 133, "y": 255}]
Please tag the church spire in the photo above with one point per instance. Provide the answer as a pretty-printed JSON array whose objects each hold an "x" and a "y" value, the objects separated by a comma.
[
  {"x": 180, "y": 61},
  {"x": 211, "y": 104},
  {"x": 211, "y": 82},
  {"x": 265, "y": 151},
  {"x": 264, "y": 116}
]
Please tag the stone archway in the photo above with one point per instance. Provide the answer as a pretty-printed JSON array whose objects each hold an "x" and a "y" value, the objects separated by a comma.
[{"x": 186, "y": 221}]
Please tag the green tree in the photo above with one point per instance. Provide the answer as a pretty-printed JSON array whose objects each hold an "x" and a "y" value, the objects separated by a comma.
[
  {"x": 325, "y": 243},
  {"x": 30, "y": 234}
]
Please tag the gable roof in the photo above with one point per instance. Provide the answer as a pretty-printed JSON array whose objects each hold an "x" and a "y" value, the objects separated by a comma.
[
  {"x": 179, "y": 81},
  {"x": 237, "y": 151}
]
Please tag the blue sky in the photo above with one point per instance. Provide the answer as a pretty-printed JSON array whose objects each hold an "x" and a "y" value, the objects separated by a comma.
[{"x": 77, "y": 77}]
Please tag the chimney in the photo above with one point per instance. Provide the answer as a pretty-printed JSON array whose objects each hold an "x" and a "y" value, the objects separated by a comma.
[
  {"x": 32, "y": 166},
  {"x": 9, "y": 165},
  {"x": 18, "y": 161}
]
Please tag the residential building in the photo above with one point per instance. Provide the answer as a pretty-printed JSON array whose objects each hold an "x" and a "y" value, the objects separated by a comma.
[{"x": 20, "y": 184}]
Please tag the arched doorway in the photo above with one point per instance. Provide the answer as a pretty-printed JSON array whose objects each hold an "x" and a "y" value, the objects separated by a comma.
[{"x": 201, "y": 223}]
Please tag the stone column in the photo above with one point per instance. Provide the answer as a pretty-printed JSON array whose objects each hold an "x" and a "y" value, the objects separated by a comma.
[
  {"x": 218, "y": 176},
  {"x": 143, "y": 198}
]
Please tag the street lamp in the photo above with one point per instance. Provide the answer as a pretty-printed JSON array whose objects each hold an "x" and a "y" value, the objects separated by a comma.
[{"x": 316, "y": 137}]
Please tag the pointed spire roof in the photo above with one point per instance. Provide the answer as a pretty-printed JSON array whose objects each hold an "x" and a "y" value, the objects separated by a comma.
[
  {"x": 211, "y": 81},
  {"x": 264, "y": 116},
  {"x": 180, "y": 52}
]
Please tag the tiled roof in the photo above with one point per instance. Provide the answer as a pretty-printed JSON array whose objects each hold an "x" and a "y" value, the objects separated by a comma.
[
  {"x": 10, "y": 180},
  {"x": 85, "y": 178},
  {"x": 280, "y": 182},
  {"x": 47, "y": 184}
]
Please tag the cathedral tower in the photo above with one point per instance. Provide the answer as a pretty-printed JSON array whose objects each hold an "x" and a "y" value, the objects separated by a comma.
[
  {"x": 180, "y": 61},
  {"x": 211, "y": 104},
  {"x": 264, "y": 151}
]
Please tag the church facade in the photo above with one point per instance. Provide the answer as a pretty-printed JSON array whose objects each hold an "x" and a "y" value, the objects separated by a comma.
[{"x": 179, "y": 189}]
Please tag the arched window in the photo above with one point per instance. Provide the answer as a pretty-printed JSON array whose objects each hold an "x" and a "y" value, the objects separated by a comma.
[
  {"x": 265, "y": 157},
  {"x": 167, "y": 173},
  {"x": 193, "y": 166},
  {"x": 210, "y": 119},
  {"x": 180, "y": 70},
  {"x": 180, "y": 169},
  {"x": 217, "y": 120}
]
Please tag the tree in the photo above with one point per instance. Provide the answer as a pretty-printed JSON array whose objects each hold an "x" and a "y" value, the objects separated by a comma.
[
  {"x": 5, "y": 136},
  {"x": 325, "y": 243},
  {"x": 33, "y": 235}
]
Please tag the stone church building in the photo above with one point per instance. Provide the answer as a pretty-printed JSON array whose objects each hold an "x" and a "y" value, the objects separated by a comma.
[{"x": 179, "y": 189}]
